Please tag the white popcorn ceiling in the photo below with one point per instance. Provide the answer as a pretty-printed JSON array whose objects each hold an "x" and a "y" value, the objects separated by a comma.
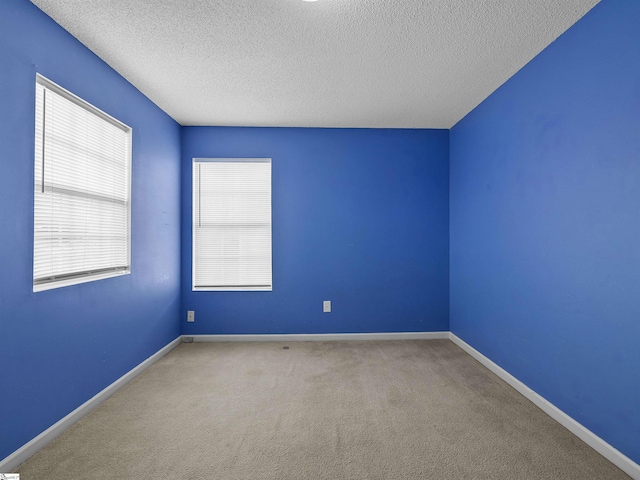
[{"x": 331, "y": 63}]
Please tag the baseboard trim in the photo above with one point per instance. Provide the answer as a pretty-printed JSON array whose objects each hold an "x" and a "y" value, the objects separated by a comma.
[
  {"x": 320, "y": 337},
  {"x": 623, "y": 462},
  {"x": 620, "y": 460},
  {"x": 14, "y": 460}
]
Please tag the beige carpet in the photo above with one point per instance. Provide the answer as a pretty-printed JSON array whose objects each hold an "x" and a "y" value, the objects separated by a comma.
[{"x": 331, "y": 410}]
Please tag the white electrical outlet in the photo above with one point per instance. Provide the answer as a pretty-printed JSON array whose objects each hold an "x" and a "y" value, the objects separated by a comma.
[
  {"x": 326, "y": 306},
  {"x": 191, "y": 316}
]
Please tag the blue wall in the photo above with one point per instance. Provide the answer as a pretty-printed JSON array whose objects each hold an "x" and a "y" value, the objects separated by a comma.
[
  {"x": 360, "y": 217},
  {"x": 60, "y": 347},
  {"x": 541, "y": 203},
  {"x": 545, "y": 224}
]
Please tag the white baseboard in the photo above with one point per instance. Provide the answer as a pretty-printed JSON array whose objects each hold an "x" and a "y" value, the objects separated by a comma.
[
  {"x": 623, "y": 462},
  {"x": 614, "y": 456},
  {"x": 33, "y": 446},
  {"x": 320, "y": 337}
]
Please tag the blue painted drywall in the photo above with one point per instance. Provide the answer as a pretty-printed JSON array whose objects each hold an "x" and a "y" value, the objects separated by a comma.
[
  {"x": 545, "y": 224},
  {"x": 59, "y": 348},
  {"x": 360, "y": 217},
  {"x": 545, "y": 258}
]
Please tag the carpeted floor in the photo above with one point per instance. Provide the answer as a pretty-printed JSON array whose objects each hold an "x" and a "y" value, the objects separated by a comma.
[{"x": 318, "y": 410}]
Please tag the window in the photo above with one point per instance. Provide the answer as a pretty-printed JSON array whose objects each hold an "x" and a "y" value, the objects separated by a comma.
[
  {"x": 82, "y": 178},
  {"x": 231, "y": 224}
]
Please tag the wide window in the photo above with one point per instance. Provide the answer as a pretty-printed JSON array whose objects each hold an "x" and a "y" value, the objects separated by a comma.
[
  {"x": 82, "y": 191},
  {"x": 231, "y": 224}
]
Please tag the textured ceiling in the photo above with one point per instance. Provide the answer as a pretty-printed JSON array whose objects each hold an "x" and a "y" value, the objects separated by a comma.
[{"x": 330, "y": 63}]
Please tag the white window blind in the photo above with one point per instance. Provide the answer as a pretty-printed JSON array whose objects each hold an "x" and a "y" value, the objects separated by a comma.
[
  {"x": 232, "y": 224},
  {"x": 81, "y": 191}
]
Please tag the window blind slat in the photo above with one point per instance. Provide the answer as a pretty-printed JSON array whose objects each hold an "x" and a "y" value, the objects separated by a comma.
[{"x": 232, "y": 224}]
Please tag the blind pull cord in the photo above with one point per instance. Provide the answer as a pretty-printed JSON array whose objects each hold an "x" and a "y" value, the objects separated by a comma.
[{"x": 44, "y": 126}]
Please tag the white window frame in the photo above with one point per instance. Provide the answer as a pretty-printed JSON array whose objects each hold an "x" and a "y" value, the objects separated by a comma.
[
  {"x": 195, "y": 221},
  {"x": 58, "y": 280}
]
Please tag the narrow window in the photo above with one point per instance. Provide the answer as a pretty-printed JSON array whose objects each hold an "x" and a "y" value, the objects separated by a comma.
[
  {"x": 231, "y": 224},
  {"x": 81, "y": 191}
]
